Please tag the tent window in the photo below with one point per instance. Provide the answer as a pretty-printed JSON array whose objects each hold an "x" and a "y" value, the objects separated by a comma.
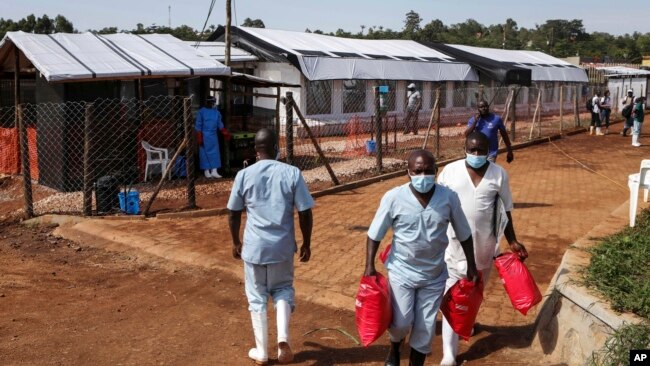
[
  {"x": 435, "y": 59},
  {"x": 380, "y": 57},
  {"x": 312, "y": 53},
  {"x": 319, "y": 97},
  {"x": 347, "y": 54},
  {"x": 354, "y": 96}
]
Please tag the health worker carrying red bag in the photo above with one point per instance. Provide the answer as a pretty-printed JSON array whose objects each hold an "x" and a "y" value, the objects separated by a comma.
[
  {"x": 460, "y": 305},
  {"x": 518, "y": 282},
  {"x": 373, "y": 308}
]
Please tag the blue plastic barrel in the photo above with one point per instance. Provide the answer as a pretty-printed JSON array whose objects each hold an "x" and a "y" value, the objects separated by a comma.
[{"x": 371, "y": 146}]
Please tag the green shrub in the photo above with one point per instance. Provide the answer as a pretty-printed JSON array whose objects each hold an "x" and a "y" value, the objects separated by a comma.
[
  {"x": 620, "y": 269},
  {"x": 616, "y": 350}
]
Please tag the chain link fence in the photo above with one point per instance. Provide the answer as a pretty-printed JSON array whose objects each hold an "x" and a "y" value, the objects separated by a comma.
[
  {"x": 345, "y": 125},
  {"x": 83, "y": 155}
]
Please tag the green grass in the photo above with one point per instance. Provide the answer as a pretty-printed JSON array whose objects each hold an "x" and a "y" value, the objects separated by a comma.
[
  {"x": 616, "y": 350},
  {"x": 620, "y": 268}
]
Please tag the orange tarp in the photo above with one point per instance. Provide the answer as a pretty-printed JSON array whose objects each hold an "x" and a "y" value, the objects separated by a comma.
[{"x": 10, "y": 151}]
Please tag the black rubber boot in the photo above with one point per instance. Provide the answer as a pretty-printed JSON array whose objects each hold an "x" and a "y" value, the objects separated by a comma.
[
  {"x": 393, "y": 354},
  {"x": 416, "y": 358}
]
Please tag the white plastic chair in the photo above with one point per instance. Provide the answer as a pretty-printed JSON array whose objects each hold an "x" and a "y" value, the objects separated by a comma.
[
  {"x": 155, "y": 156},
  {"x": 637, "y": 181}
]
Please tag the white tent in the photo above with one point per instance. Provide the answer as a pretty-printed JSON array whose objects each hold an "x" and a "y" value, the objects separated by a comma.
[
  {"x": 321, "y": 57},
  {"x": 543, "y": 67},
  {"x": 88, "y": 56},
  {"x": 217, "y": 50}
]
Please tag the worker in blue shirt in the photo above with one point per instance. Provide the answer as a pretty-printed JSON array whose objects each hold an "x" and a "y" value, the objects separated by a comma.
[
  {"x": 269, "y": 190},
  {"x": 490, "y": 125},
  {"x": 419, "y": 213}
]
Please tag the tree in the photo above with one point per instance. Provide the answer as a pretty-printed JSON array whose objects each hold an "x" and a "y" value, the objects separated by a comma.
[
  {"x": 253, "y": 23},
  {"x": 434, "y": 31},
  {"x": 62, "y": 25},
  {"x": 44, "y": 25},
  {"x": 411, "y": 25},
  {"x": 107, "y": 30}
]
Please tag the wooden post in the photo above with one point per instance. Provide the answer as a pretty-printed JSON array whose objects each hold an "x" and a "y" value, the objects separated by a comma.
[
  {"x": 378, "y": 133},
  {"x": 277, "y": 113},
  {"x": 25, "y": 166},
  {"x": 88, "y": 176},
  {"x": 617, "y": 99},
  {"x": 24, "y": 141},
  {"x": 431, "y": 119},
  {"x": 437, "y": 122},
  {"x": 481, "y": 94},
  {"x": 321, "y": 155},
  {"x": 228, "y": 35},
  {"x": 561, "y": 107},
  {"x": 168, "y": 168},
  {"x": 576, "y": 113},
  {"x": 513, "y": 112},
  {"x": 289, "y": 129},
  {"x": 537, "y": 106},
  {"x": 190, "y": 147}
]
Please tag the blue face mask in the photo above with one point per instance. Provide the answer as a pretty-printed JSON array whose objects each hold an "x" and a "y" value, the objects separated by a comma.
[
  {"x": 476, "y": 161},
  {"x": 423, "y": 183}
]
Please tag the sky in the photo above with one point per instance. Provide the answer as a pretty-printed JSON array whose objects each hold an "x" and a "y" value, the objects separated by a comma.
[{"x": 329, "y": 15}]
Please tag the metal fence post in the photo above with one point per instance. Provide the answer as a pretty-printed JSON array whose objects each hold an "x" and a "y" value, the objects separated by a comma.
[
  {"x": 378, "y": 131},
  {"x": 88, "y": 178},
  {"x": 25, "y": 166},
  {"x": 289, "y": 129},
  {"x": 513, "y": 110},
  {"x": 189, "y": 152},
  {"x": 576, "y": 113}
]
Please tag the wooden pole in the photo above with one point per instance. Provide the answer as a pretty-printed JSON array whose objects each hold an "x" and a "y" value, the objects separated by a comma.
[
  {"x": 289, "y": 129},
  {"x": 532, "y": 126},
  {"x": 378, "y": 133},
  {"x": 561, "y": 108},
  {"x": 228, "y": 33},
  {"x": 431, "y": 119},
  {"x": 190, "y": 147},
  {"x": 24, "y": 141},
  {"x": 437, "y": 122},
  {"x": 168, "y": 168},
  {"x": 481, "y": 94},
  {"x": 321, "y": 155},
  {"x": 88, "y": 176},
  {"x": 513, "y": 112},
  {"x": 576, "y": 113},
  {"x": 277, "y": 112}
]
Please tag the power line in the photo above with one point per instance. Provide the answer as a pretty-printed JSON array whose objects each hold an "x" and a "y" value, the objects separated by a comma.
[{"x": 206, "y": 22}]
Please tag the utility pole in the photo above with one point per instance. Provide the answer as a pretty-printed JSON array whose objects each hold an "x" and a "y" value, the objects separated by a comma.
[
  {"x": 228, "y": 21},
  {"x": 169, "y": 11}
]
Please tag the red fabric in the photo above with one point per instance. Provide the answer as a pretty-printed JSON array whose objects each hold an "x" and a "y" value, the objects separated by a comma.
[
  {"x": 199, "y": 138},
  {"x": 373, "y": 309},
  {"x": 519, "y": 283},
  {"x": 460, "y": 306},
  {"x": 10, "y": 151},
  {"x": 226, "y": 134},
  {"x": 384, "y": 254}
]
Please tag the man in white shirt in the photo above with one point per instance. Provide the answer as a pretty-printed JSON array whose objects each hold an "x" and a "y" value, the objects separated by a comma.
[
  {"x": 595, "y": 114},
  {"x": 479, "y": 184},
  {"x": 412, "y": 109}
]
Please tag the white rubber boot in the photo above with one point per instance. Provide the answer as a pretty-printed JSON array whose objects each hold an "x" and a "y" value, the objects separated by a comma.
[
  {"x": 260, "y": 354},
  {"x": 591, "y": 130},
  {"x": 598, "y": 133},
  {"x": 283, "y": 313},
  {"x": 635, "y": 141},
  {"x": 215, "y": 173},
  {"x": 207, "y": 173},
  {"x": 449, "y": 344}
]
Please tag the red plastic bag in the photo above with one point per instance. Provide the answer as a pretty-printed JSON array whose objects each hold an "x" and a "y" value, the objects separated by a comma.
[
  {"x": 199, "y": 138},
  {"x": 519, "y": 283},
  {"x": 384, "y": 254},
  {"x": 460, "y": 306},
  {"x": 373, "y": 309}
]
